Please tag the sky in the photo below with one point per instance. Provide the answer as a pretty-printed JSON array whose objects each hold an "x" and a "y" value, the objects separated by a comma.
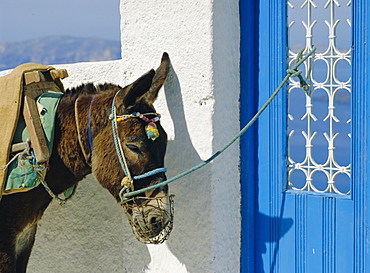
[{"x": 29, "y": 19}]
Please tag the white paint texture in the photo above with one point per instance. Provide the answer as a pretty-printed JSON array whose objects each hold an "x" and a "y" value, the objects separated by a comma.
[
  {"x": 202, "y": 39},
  {"x": 200, "y": 107}
]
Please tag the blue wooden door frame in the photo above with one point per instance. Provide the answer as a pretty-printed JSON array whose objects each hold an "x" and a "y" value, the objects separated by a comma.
[
  {"x": 263, "y": 56},
  {"x": 360, "y": 132},
  {"x": 255, "y": 60},
  {"x": 249, "y": 16}
]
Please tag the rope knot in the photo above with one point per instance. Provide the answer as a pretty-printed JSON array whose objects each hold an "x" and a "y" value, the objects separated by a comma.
[
  {"x": 302, "y": 82},
  {"x": 127, "y": 183},
  {"x": 294, "y": 72}
]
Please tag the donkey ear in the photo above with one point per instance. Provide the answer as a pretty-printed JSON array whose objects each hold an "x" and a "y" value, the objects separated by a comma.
[
  {"x": 159, "y": 78},
  {"x": 138, "y": 88}
]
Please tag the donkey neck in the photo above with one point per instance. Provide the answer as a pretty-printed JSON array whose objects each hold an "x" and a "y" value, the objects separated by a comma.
[{"x": 67, "y": 163}]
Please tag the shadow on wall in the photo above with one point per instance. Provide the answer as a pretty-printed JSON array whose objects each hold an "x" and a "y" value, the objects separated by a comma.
[
  {"x": 192, "y": 235},
  {"x": 191, "y": 240}
]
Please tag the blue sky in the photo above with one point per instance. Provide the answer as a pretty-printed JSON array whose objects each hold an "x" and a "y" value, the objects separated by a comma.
[{"x": 28, "y": 19}]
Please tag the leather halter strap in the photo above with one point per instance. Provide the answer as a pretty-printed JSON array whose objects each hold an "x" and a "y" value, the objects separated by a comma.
[{"x": 85, "y": 154}]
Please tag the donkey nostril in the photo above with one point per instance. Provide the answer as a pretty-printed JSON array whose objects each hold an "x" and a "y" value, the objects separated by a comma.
[
  {"x": 155, "y": 223},
  {"x": 156, "y": 226}
]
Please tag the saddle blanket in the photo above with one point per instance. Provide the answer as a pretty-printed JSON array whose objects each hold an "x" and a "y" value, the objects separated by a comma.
[
  {"x": 24, "y": 173},
  {"x": 11, "y": 90}
]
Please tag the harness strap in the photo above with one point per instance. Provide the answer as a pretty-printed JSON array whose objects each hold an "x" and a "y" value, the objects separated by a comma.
[
  {"x": 89, "y": 133},
  {"x": 89, "y": 123},
  {"x": 84, "y": 153}
]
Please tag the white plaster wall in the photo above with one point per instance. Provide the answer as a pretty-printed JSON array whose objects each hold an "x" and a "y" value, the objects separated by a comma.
[
  {"x": 199, "y": 105},
  {"x": 202, "y": 39}
]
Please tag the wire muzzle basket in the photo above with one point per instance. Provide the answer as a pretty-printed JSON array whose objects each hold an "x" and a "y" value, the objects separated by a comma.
[{"x": 150, "y": 218}]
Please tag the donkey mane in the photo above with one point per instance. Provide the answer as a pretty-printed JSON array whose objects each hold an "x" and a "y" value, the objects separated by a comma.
[
  {"x": 66, "y": 120},
  {"x": 89, "y": 89}
]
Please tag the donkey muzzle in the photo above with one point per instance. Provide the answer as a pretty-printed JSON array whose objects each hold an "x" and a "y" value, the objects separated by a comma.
[{"x": 150, "y": 218}]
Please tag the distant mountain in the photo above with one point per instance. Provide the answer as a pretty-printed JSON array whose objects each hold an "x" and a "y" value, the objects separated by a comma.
[{"x": 58, "y": 50}]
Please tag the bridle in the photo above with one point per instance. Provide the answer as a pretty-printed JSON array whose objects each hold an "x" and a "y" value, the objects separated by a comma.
[{"x": 127, "y": 182}]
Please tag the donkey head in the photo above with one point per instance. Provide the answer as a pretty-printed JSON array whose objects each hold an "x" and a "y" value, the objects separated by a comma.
[{"x": 129, "y": 155}]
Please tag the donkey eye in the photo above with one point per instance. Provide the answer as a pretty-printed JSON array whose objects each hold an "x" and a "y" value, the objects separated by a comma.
[{"x": 133, "y": 148}]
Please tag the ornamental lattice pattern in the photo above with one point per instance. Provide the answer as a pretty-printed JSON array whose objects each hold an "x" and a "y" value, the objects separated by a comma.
[{"x": 319, "y": 137}]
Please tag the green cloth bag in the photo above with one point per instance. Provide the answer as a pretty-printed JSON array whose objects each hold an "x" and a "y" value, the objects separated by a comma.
[{"x": 24, "y": 173}]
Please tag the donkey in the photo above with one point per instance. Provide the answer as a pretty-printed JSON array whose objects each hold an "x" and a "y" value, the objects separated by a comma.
[{"x": 96, "y": 128}]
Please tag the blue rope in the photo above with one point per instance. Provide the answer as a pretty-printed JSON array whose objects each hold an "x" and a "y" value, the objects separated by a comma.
[
  {"x": 120, "y": 156},
  {"x": 88, "y": 124},
  {"x": 293, "y": 72},
  {"x": 150, "y": 173},
  {"x": 115, "y": 136}
]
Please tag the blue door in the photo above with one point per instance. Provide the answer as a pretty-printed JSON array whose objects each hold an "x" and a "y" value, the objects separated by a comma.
[{"x": 305, "y": 196}]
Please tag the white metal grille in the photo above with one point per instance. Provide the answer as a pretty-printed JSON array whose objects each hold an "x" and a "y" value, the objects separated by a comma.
[{"x": 319, "y": 120}]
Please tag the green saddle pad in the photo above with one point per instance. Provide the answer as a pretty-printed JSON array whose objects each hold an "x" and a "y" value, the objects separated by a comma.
[{"x": 24, "y": 173}]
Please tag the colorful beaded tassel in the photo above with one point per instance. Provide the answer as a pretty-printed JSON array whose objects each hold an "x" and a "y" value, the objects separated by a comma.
[{"x": 152, "y": 131}]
